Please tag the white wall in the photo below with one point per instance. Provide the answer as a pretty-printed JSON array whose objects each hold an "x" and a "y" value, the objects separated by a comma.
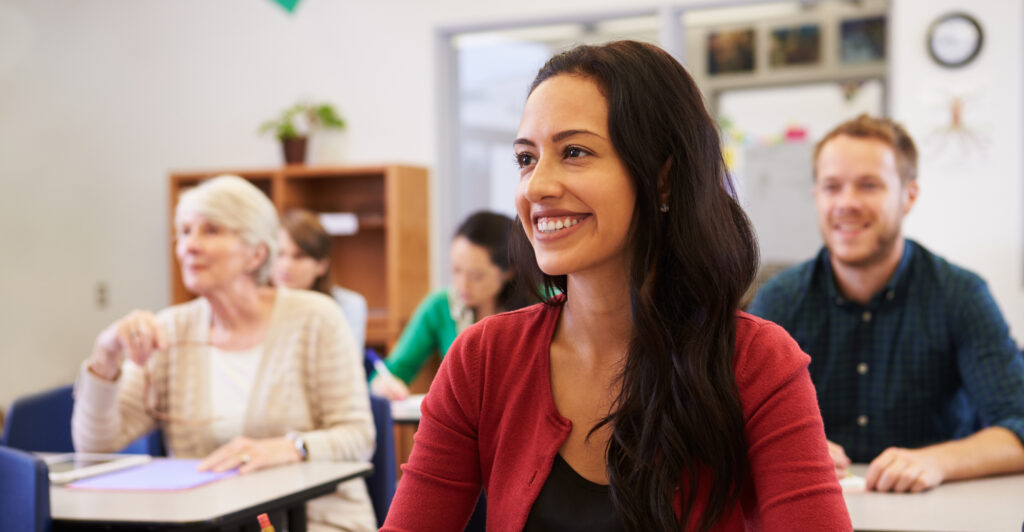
[
  {"x": 970, "y": 205},
  {"x": 100, "y": 99}
]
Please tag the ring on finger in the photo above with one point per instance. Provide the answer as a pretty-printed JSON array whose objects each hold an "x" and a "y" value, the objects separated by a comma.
[{"x": 244, "y": 458}]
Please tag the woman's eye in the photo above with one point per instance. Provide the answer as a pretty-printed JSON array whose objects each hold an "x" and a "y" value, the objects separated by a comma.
[
  {"x": 572, "y": 152},
  {"x": 524, "y": 159}
]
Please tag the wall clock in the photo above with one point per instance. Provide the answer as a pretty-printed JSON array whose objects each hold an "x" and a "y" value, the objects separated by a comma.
[{"x": 955, "y": 39}]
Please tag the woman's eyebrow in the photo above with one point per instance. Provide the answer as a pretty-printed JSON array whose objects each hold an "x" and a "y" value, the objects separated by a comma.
[{"x": 561, "y": 135}]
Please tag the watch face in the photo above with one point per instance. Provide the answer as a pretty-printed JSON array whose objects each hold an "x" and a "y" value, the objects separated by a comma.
[{"x": 955, "y": 39}]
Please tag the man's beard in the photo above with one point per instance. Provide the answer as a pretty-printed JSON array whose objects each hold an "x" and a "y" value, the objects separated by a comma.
[{"x": 884, "y": 245}]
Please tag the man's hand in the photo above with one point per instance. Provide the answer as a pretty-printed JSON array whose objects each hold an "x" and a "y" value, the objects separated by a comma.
[
  {"x": 903, "y": 470},
  {"x": 839, "y": 459}
]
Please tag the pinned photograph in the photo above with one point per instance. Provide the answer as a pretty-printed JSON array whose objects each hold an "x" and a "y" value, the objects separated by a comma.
[
  {"x": 797, "y": 45},
  {"x": 731, "y": 51},
  {"x": 862, "y": 40}
]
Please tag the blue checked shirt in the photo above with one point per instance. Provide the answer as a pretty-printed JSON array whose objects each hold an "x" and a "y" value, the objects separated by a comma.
[{"x": 928, "y": 359}]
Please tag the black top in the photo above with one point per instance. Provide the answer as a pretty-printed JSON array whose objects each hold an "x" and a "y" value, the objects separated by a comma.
[{"x": 570, "y": 503}]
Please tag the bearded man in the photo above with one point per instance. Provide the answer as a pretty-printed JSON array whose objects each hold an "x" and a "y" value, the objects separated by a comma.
[{"x": 912, "y": 360}]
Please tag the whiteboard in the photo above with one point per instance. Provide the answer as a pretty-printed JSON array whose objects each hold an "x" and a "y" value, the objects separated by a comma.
[{"x": 774, "y": 174}]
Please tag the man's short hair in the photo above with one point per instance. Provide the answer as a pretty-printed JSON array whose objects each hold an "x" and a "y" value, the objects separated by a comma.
[{"x": 882, "y": 129}]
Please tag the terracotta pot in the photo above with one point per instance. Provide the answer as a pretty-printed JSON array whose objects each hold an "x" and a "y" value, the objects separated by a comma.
[{"x": 294, "y": 150}]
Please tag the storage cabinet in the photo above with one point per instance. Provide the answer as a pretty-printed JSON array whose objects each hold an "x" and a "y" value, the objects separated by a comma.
[{"x": 387, "y": 259}]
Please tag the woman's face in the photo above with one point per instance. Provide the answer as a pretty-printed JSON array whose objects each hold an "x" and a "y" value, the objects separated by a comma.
[
  {"x": 211, "y": 256},
  {"x": 293, "y": 267},
  {"x": 575, "y": 196},
  {"x": 475, "y": 278}
]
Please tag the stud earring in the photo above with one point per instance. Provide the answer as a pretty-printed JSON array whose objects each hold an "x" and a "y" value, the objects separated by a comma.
[{"x": 664, "y": 207}]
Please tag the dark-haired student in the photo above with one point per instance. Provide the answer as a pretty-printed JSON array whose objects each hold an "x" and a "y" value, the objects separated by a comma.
[
  {"x": 909, "y": 353},
  {"x": 483, "y": 284},
  {"x": 640, "y": 399}
]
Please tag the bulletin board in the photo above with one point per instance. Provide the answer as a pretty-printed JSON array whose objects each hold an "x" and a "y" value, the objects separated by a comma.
[{"x": 769, "y": 136}]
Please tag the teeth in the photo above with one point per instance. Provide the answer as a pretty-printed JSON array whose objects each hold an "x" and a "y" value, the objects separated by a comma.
[{"x": 550, "y": 225}]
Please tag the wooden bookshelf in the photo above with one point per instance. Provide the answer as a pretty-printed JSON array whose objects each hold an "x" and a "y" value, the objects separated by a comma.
[{"x": 387, "y": 260}]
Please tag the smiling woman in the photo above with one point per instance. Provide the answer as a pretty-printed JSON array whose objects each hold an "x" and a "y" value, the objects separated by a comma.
[
  {"x": 574, "y": 190},
  {"x": 641, "y": 398}
]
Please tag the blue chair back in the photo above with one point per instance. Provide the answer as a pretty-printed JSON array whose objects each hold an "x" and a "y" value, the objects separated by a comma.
[
  {"x": 24, "y": 492},
  {"x": 381, "y": 484},
  {"x": 42, "y": 423}
]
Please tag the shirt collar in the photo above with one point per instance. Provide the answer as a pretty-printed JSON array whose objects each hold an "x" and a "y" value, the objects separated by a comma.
[
  {"x": 894, "y": 287},
  {"x": 462, "y": 315}
]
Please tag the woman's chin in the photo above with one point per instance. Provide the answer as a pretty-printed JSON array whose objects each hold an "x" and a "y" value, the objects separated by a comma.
[
  {"x": 552, "y": 268},
  {"x": 196, "y": 286}
]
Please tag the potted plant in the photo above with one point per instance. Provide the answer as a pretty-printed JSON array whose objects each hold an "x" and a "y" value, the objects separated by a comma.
[{"x": 295, "y": 124}]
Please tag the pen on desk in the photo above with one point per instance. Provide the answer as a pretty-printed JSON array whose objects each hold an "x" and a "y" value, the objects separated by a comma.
[{"x": 265, "y": 525}]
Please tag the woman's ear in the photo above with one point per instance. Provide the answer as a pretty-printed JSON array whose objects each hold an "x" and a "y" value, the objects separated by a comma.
[
  {"x": 322, "y": 265},
  {"x": 664, "y": 188},
  {"x": 259, "y": 254}
]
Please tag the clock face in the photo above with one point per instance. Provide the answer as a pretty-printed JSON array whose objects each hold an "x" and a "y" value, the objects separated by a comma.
[{"x": 955, "y": 39}]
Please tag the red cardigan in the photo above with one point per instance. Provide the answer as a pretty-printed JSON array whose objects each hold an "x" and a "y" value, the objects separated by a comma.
[{"x": 490, "y": 420}]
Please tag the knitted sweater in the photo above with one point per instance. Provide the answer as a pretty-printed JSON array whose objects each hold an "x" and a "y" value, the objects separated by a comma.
[
  {"x": 490, "y": 421},
  {"x": 310, "y": 380}
]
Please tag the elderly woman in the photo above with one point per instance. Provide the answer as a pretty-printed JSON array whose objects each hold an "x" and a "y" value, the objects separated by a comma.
[{"x": 246, "y": 375}]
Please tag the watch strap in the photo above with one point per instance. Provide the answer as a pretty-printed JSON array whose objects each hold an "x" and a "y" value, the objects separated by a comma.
[{"x": 300, "y": 444}]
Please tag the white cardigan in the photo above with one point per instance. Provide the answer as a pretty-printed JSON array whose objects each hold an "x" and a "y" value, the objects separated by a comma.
[{"x": 310, "y": 380}]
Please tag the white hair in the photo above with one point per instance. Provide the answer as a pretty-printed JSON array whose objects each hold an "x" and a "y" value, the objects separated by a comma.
[{"x": 237, "y": 205}]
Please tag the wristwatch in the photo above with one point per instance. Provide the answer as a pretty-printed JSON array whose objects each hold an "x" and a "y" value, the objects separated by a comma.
[{"x": 300, "y": 444}]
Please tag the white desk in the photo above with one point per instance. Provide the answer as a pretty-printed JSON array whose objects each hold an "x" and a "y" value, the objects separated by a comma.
[
  {"x": 995, "y": 503},
  {"x": 407, "y": 410},
  {"x": 226, "y": 503}
]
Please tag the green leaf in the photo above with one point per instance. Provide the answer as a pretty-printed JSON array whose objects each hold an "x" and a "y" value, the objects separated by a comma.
[
  {"x": 328, "y": 117},
  {"x": 315, "y": 115}
]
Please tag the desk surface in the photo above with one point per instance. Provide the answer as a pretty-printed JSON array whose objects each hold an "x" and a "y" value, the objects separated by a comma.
[
  {"x": 207, "y": 503},
  {"x": 407, "y": 410},
  {"x": 995, "y": 503}
]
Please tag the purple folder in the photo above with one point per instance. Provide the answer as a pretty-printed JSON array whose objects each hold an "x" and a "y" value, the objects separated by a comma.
[{"x": 169, "y": 474}]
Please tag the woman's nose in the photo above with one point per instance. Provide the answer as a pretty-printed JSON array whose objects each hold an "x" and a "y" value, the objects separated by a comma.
[
  {"x": 544, "y": 182},
  {"x": 188, "y": 243}
]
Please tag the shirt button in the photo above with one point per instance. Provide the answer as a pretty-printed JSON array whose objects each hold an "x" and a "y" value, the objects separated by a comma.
[
  {"x": 862, "y": 368},
  {"x": 862, "y": 420},
  {"x": 866, "y": 316},
  {"x": 890, "y": 295}
]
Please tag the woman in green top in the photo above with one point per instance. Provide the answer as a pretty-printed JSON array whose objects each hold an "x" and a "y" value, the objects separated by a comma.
[{"x": 483, "y": 283}]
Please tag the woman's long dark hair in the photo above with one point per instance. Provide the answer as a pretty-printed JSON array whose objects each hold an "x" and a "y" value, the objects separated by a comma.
[
  {"x": 491, "y": 231},
  {"x": 678, "y": 410}
]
